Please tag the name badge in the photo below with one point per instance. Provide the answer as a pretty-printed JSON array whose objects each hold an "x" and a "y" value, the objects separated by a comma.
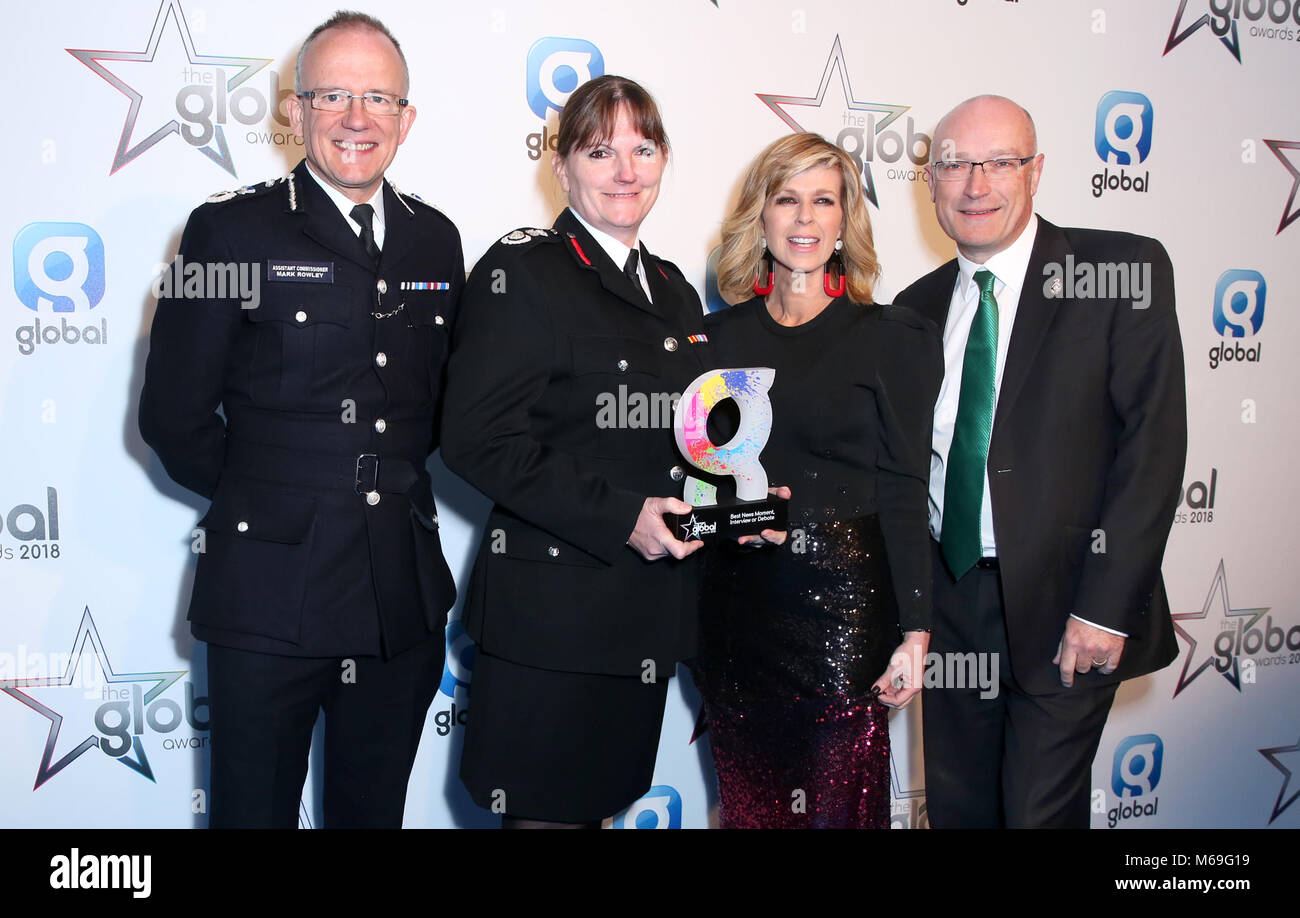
[{"x": 312, "y": 272}]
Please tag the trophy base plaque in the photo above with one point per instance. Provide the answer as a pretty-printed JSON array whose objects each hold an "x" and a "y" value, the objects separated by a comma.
[{"x": 729, "y": 521}]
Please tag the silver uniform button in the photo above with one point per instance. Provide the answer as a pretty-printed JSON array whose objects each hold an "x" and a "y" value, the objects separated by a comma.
[
  {"x": 439, "y": 320},
  {"x": 372, "y": 497},
  {"x": 242, "y": 526},
  {"x": 381, "y": 425},
  {"x": 553, "y": 552},
  {"x": 300, "y": 316},
  {"x": 670, "y": 344},
  {"x": 676, "y": 473},
  {"x": 622, "y": 366},
  {"x": 382, "y": 286},
  {"x": 381, "y": 359}
]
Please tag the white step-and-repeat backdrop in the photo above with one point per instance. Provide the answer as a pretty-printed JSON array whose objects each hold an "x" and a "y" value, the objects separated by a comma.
[{"x": 1172, "y": 118}]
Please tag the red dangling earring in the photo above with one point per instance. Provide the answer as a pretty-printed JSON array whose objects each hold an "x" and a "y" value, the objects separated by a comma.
[
  {"x": 759, "y": 289},
  {"x": 841, "y": 283}
]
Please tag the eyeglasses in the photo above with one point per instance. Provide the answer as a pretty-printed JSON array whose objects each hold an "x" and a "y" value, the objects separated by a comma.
[
  {"x": 340, "y": 100},
  {"x": 959, "y": 170}
]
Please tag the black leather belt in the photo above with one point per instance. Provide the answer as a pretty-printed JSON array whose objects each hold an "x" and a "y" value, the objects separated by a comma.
[
  {"x": 363, "y": 473},
  {"x": 989, "y": 563}
]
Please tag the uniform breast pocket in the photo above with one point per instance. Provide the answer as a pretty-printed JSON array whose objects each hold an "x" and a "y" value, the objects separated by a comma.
[
  {"x": 300, "y": 332},
  {"x": 428, "y": 319},
  {"x": 619, "y": 393}
]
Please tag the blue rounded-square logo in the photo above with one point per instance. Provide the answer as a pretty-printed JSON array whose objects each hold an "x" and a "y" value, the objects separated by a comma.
[
  {"x": 59, "y": 267},
  {"x": 1123, "y": 135},
  {"x": 558, "y": 66},
  {"x": 1136, "y": 770},
  {"x": 660, "y": 808},
  {"x": 1239, "y": 303}
]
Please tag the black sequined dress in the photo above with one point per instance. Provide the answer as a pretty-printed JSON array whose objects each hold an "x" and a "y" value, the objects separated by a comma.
[{"x": 792, "y": 638}]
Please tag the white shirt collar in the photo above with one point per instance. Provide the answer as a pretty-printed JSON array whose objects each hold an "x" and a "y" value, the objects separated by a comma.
[
  {"x": 616, "y": 250},
  {"x": 1009, "y": 265},
  {"x": 345, "y": 205}
]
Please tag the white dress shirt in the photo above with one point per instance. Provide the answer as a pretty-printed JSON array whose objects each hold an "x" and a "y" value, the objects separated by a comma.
[
  {"x": 1008, "y": 267},
  {"x": 617, "y": 251},
  {"x": 345, "y": 205}
]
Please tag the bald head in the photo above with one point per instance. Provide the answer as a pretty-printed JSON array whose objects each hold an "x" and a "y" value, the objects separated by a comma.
[{"x": 997, "y": 112}]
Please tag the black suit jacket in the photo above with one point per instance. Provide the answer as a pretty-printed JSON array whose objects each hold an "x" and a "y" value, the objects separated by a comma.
[
  {"x": 1089, "y": 441},
  {"x": 551, "y": 331},
  {"x": 295, "y": 559}
]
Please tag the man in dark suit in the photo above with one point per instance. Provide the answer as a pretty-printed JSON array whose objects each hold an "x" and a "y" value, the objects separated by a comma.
[
  {"x": 1059, "y": 441},
  {"x": 321, "y": 584}
]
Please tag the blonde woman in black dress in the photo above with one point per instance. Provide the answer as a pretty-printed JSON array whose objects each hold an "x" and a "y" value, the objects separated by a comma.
[{"x": 805, "y": 644}]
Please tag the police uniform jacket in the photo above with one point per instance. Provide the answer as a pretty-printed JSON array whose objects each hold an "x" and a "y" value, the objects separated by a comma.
[
  {"x": 555, "y": 354},
  {"x": 307, "y": 420}
]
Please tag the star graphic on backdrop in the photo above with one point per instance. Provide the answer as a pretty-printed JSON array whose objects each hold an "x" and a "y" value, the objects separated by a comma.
[
  {"x": 170, "y": 15},
  {"x": 898, "y": 793},
  {"x": 1216, "y": 599},
  {"x": 834, "y": 63},
  {"x": 1279, "y": 807},
  {"x": 54, "y": 689},
  {"x": 1176, "y": 38},
  {"x": 1290, "y": 212}
]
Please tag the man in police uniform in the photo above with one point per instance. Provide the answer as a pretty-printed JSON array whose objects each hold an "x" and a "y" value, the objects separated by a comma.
[{"x": 321, "y": 583}]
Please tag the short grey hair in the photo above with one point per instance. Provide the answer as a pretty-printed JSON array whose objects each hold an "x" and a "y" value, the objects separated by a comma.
[{"x": 350, "y": 19}]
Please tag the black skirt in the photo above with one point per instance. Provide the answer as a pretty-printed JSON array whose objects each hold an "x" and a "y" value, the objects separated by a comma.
[
  {"x": 559, "y": 746},
  {"x": 791, "y": 641}
]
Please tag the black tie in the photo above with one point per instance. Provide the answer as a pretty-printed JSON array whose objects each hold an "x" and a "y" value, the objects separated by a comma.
[
  {"x": 629, "y": 271},
  {"x": 364, "y": 214}
]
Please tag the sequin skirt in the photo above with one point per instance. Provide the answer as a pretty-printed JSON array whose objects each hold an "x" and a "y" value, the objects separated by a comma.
[{"x": 791, "y": 642}]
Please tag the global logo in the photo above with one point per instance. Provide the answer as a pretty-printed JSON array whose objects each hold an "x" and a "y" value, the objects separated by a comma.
[
  {"x": 1236, "y": 643},
  {"x": 1238, "y": 313},
  {"x": 907, "y": 806},
  {"x": 554, "y": 69},
  {"x": 1135, "y": 772},
  {"x": 1123, "y": 135},
  {"x": 89, "y": 705},
  {"x": 59, "y": 268},
  {"x": 1239, "y": 303},
  {"x": 1122, "y": 138},
  {"x": 1196, "y": 501},
  {"x": 660, "y": 808},
  {"x": 458, "y": 669},
  {"x": 1271, "y": 19},
  {"x": 1136, "y": 768},
  {"x": 558, "y": 66},
  {"x": 182, "y": 92},
  {"x": 866, "y": 131}
]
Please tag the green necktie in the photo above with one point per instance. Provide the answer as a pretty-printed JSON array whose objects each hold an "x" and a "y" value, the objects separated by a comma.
[{"x": 963, "y": 489}]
